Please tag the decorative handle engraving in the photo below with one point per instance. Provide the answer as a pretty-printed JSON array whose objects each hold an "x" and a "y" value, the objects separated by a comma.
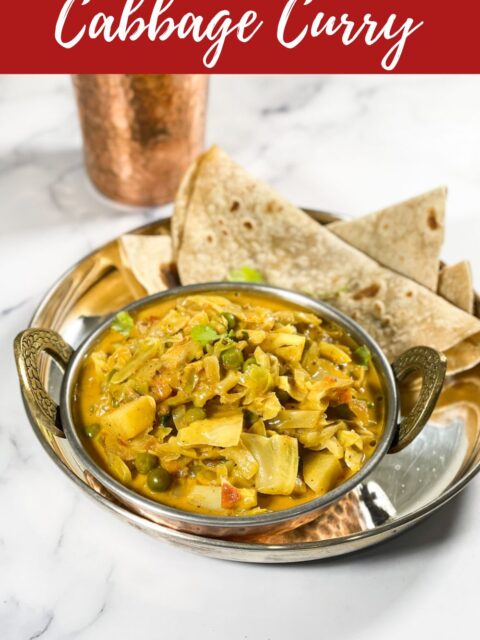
[
  {"x": 432, "y": 366},
  {"x": 29, "y": 346}
]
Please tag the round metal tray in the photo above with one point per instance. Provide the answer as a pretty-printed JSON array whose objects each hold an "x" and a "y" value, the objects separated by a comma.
[{"x": 403, "y": 490}]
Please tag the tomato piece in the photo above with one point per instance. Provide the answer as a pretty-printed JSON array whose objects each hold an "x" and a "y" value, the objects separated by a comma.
[
  {"x": 342, "y": 396},
  {"x": 230, "y": 495},
  {"x": 161, "y": 388}
]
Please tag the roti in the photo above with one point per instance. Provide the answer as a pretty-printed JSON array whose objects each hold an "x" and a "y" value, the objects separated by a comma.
[
  {"x": 233, "y": 220},
  {"x": 406, "y": 237},
  {"x": 182, "y": 201},
  {"x": 456, "y": 285},
  {"x": 149, "y": 258}
]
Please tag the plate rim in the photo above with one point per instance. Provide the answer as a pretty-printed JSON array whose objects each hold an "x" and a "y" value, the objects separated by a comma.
[{"x": 252, "y": 552}]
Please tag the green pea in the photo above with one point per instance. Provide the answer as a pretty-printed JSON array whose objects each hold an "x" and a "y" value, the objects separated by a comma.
[
  {"x": 158, "y": 479},
  {"x": 92, "y": 430},
  {"x": 231, "y": 320},
  {"x": 232, "y": 358},
  {"x": 249, "y": 362},
  {"x": 363, "y": 355},
  {"x": 145, "y": 462},
  {"x": 193, "y": 414}
]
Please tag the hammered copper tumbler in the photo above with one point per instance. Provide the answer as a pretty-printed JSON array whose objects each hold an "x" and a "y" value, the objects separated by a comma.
[{"x": 140, "y": 132}]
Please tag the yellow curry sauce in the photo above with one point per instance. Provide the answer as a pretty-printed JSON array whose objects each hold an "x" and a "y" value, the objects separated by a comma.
[{"x": 228, "y": 405}]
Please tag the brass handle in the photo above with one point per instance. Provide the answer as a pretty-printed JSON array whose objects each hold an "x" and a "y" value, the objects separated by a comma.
[
  {"x": 29, "y": 346},
  {"x": 432, "y": 367}
]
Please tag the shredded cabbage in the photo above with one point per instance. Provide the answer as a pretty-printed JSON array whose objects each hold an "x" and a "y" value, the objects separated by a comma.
[
  {"x": 277, "y": 458},
  {"x": 217, "y": 432},
  {"x": 237, "y": 400}
]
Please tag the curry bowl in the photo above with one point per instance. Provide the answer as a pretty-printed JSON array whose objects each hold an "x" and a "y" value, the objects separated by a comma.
[{"x": 302, "y": 407}]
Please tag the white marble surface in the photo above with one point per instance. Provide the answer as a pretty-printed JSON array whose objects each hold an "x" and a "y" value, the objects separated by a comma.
[{"x": 67, "y": 569}]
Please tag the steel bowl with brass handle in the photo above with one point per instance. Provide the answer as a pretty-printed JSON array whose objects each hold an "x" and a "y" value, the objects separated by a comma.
[{"x": 31, "y": 344}]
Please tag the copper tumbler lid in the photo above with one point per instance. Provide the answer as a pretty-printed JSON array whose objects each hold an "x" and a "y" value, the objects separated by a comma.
[{"x": 140, "y": 132}]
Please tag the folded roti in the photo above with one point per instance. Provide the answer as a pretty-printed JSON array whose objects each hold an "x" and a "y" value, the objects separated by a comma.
[
  {"x": 149, "y": 258},
  {"x": 464, "y": 355},
  {"x": 233, "y": 220},
  {"x": 406, "y": 237},
  {"x": 182, "y": 200},
  {"x": 456, "y": 285}
]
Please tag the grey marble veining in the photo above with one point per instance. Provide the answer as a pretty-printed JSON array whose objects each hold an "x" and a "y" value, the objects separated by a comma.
[{"x": 69, "y": 570}]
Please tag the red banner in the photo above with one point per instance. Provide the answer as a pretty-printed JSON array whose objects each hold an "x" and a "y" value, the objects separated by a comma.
[{"x": 238, "y": 36}]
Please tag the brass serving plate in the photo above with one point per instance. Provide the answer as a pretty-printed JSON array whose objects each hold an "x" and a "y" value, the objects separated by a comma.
[{"x": 403, "y": 490}]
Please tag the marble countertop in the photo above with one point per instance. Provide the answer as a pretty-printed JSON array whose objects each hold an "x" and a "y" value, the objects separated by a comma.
[{"x": 70, "y": 570}]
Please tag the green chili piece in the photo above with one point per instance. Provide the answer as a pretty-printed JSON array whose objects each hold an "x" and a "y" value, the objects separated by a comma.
[{"x": 244, "y": 274}]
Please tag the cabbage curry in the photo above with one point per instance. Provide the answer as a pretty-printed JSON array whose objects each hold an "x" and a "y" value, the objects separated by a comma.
[{"x": 228, "y": 405}]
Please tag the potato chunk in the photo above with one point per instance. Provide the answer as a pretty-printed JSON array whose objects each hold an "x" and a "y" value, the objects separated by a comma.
[
  {"x": 212, "y": 498},
  {"x": 321, "y": 471},
  {"x": 130, "y": 419}
]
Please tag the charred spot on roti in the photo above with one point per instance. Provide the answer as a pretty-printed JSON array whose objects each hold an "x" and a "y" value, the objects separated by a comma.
[
  {"x": 209, "y": 238},
  {"x": 273, "y": 207},
  {"x": 235, "y": 205},
  {"x": 432, "y": 220},
  {"x": 378, "y": 308},
  {"x": 248, "y": 225},
  {"x": 409, "y": 294},
  {"x": 367, "y": 292}
]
